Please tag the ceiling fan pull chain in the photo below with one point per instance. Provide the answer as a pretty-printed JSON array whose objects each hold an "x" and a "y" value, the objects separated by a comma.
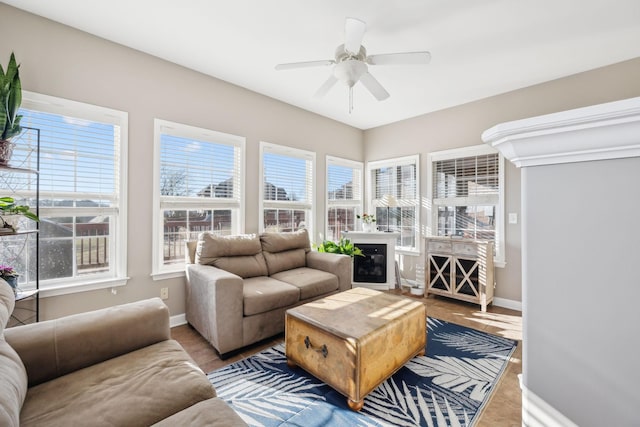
[{"x": 350, "y": 99}]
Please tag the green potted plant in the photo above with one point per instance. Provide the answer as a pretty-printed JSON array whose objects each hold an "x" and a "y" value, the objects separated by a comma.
[
  {"x": 10, "y": 100},
  {"x": 344, "y": 246},
  {"x": 9, "y": 210}
]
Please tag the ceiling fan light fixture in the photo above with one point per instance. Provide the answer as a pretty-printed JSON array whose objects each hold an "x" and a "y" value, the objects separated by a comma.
[{"x": 350, "y": 71}]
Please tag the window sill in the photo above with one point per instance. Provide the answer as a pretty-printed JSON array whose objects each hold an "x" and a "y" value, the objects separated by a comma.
[
  {"x": 167, "y": 275},
  {"x": 57, "y": 290}
]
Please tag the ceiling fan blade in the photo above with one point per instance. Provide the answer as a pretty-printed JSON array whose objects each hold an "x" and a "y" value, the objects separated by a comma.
[
  {"x": 374, "y": 86},
  {"x": 307, "y": 64},
  {"x": 353, "y": 33},
  {"x": 406, "y": 58},
  {"x": 326, "y": 86}
]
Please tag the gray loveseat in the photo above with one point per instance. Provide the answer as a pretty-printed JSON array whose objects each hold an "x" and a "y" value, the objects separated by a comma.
[
  {"x": 111, "y": 367},
  {"x": 239, "y": 287}
]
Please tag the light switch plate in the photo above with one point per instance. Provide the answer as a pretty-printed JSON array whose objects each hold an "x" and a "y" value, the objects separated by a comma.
[{"x": 513, "y": 218}]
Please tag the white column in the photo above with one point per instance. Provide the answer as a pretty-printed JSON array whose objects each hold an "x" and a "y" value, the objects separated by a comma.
[{"x": 581, "y": 249}]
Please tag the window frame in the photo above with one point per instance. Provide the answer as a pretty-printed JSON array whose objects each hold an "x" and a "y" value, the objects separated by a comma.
[
  {"x": 372, "y": 202},
  {"x": 356, "y": 203},
  {"x": 458, "y": 153},
  {"x": 117, "y": 274},
  {"x": 161, "y": 127},
  {"x": 306, "y": 155}
]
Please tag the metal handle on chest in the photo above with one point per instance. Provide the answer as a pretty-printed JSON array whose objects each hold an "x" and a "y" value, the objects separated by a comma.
[{"x": 323, "y": 349}]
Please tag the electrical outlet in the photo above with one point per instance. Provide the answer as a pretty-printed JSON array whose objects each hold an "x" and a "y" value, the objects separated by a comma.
[{"x": 164, "y": 293}]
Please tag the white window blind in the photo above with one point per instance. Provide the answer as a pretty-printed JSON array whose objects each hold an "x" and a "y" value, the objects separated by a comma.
[
  {"x": 80, "y": 165},
  {"x": 344, "y": 196},
  {"x": 398, "y": 178},
  {"x": 474, "y": 176},
  {"x": 82, "y": 189},
  {"x": 199, "y": 187},
  {"x": 287, "y": 191},
  {"x": 198, "y": 169}
]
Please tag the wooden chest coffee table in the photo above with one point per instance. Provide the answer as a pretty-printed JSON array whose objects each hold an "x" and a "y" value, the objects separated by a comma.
[{"x": 356, "y": 339}]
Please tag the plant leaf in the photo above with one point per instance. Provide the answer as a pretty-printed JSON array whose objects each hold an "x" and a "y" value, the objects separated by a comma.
[{"x": 10, "y": 98}]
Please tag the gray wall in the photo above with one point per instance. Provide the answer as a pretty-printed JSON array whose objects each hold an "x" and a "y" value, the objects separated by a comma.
[
  {"x": 60, "y": 61},
  {"x": 462, "y": 126},
  {"x": 582, "y": 289}
]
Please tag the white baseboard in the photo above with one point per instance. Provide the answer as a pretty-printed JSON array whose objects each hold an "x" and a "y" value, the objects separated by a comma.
[
  {"x": 507, "y": 303},
  {"x": 177, "y": 320},
  {"x": 536, "y": 412}
]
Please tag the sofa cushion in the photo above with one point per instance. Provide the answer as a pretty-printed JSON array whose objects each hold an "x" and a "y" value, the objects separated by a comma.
[
  {"x": 239, "y": 254},
  {"x": 211, "y": 412},
  {"x": 279, "y": 242},
  {"x": 311, "y": 282},
  {"x": 56, "y": 347},
  {"x": 138, "y": 388},
  {"x": 243, "y": 266},
  {"x": 286, "y": 260},
  {"x": 284, "y": 251},
  {"x": 262, "y": 294},
  {"x": 213, "y": 246}
]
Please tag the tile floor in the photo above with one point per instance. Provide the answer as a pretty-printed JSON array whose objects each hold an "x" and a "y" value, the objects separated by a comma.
[{"x": 504, "y": 407}]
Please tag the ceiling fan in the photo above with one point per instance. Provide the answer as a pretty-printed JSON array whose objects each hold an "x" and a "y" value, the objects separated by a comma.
[{"x": 351, "y": 63}]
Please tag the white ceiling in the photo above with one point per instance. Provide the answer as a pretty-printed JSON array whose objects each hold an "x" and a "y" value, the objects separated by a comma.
[{"x": 478, "y": 48}]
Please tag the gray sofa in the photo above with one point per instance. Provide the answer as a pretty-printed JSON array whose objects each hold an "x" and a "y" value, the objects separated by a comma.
[
  {"x": 111, "y": 367},
  {"x": 239, "y": 287}
]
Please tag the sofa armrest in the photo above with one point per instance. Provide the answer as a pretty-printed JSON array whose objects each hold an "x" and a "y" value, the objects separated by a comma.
[
  {"x": 340, "y": 265},
  {"x": 57, "y": 347},
  {"x": 215, "y": 305}
]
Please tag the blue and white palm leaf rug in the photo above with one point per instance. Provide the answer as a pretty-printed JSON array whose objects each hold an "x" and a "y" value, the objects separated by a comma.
[{"x": 448, "y": 386}]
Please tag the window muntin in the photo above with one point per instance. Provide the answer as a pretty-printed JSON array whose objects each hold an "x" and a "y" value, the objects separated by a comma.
[
  {"x": 199, "y": 187},
  {"x": 466, "y": 190},
  {"x": 344, "y": 196},
  {"x": 82, "y": 191},
  {"x": 287, "y": 190},
  {"x": 398, "y": 178}
]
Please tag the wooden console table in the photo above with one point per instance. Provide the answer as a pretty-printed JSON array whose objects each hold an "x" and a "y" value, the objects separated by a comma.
[{"x": 460, "y": 268}]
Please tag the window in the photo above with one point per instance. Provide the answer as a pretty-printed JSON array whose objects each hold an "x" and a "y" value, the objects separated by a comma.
[
  {"x": 82, "y": 191},
  {"x": 344, "y": 196},
  {"x": 199, "y": 186},
  {"x": 287, "y": 190},
  {"x": 398, "y": 178},
  {"x": 466, "y": 193}
]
